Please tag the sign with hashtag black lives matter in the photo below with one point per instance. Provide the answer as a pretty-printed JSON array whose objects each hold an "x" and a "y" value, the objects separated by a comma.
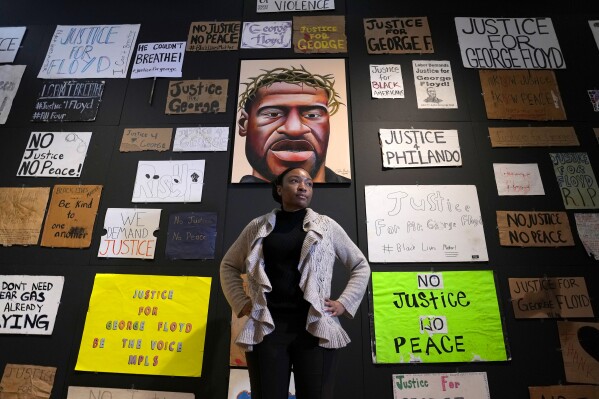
[{"x": 68, "y": 101}]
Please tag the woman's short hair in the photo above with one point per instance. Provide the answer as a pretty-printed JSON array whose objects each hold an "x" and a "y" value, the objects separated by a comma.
[{"x": 278, "y": 181}]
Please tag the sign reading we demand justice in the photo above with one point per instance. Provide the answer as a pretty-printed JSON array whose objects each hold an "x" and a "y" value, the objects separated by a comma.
[{"x": 437, "y": 317}]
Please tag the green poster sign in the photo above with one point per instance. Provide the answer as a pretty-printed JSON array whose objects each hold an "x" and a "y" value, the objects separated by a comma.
[{"x": 443, "y": 317}]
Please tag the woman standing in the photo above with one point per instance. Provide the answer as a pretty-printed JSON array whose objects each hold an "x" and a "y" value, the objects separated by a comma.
[{"x": 288, "y": 256}]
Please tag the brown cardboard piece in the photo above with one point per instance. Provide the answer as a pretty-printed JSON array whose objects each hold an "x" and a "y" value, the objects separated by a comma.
[
  {"x": 564, "y": 392},
  {"x": 27, "y": 382},
  {"x": 410, "y": 35},
  {"x": 546, "y": 136},
  {"x": 22, "y": 212},
  {"x": 71, "y": 216},
  {"x": 550, "y": 297},
  {"x": 197, "y": 96},
  {"x": 521, "y": 94},
  {"x": 150, "y": 139},
  {"x": 325, "y": 34},
  {"x": 214, "y": 36},
  {"x": 579, "y": 351},
  {"x": 534, "y": 229}
]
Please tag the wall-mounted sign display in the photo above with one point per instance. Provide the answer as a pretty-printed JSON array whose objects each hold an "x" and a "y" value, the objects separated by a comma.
[
  {"x": 68, "y": 101},
  {"x": 413, "y": 148},
  {"x": 10, "y": 79},
  {"x": 197, "y": 96},
  {"x": 546, "y": 136},
  {"x": 129, "y": 233},
  {"x": 89, "y": 51},
  {"x": 410, "y": 35},
  {"x": 158, "y": 60},
  {"x": 576, "y": 179},
  {"x": 169, "y": 181},
  {"x": 294, "y": 5},
  {"x": 214, "y": 36},
  {"x": 428, "y": 318},
  {"x": 10, "y": 40},
  {"x": 266, "y": 34},
  {"x": 323, "y": 34},
  {"x": 434, "y": 84},
  {"x": 191, "y": 235},
  {"x": 22, "y": 211},
  {"x": 534, "y": 229}
]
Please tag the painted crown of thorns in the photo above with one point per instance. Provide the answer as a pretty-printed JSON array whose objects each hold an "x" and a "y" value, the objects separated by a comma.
[{"x": 292, "y": 75}]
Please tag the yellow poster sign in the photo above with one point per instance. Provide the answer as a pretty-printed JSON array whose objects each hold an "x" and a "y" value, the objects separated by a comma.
[{"x": 140, "y": 324}]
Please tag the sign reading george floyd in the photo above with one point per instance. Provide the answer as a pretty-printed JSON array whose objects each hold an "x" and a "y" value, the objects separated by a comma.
[
  {"x": 409, "y": 35},
  {"x": 509, "y": 43},
  {"x": 68, "y": 101}
]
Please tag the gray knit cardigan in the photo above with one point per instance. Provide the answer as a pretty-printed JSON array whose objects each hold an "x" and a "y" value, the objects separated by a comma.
[{"x": 325, "y": 241}]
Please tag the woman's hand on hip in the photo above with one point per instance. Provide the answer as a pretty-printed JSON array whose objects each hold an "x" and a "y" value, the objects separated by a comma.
[{"x": 334, "y": 308}]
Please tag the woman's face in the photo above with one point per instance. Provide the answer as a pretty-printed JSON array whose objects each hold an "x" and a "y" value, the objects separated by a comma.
[{"x": 296, "y": 190}]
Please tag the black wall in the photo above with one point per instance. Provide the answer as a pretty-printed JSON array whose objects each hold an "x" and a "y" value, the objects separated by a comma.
[{"x": 534, "y": 344}]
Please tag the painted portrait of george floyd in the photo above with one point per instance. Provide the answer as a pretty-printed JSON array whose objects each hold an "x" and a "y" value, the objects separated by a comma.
[{"x": 291, "y": 113}]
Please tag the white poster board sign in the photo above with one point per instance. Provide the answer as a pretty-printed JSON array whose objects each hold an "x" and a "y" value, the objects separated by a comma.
[
  {"x": 29, "y": 304},
  {"x": 293, "y": 6},
  {"x": 595, "y": 29},
  {"x": 10, "y": 79},
  {"x": 169, "y": 181},
  {"x": 158, "y": 60},
  {"x": 414, "y": 148},
  {"x": 509, "y": 43},
  {"x": 10, "y": 40},
  {"x": 201, "y": 139},
  {"x": 386, "y": 81},
  {"x": 89, "y": 51},
  {"x": 518, "y": 179},
  {"x": 441, "y": 385},
  {"x": 424, "y": 223},
  {"x": 117, "y": 393},
  {"x": 129, "y": 233},
  {"x": 587, "y": 225},
  {"x": 266, "y": 34},
  {"x": 434, "y": 85},
  {"x": 54, "y": 154}
]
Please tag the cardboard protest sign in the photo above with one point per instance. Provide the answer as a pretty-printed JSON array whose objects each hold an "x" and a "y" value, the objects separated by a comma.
[
  {"x": 413, "y": 148},
  {"x": 410, "y": 35},
  {"x": 423, "y": 223},
  {"x": 197, "y": 96},
  {"x": 29, "y": 381},
  {"x": 386, "y": 81},
  {"x": 214, "y": 36},
  {"x": 550, "y": 297},
  {"x": 595, "y": 29},
  {"x": 116, "y": 393},
  {"x": 422, "y": 317},
  {"x": 201, "y": 139},
  {"x": 594, "y": 97},
  {"x": 266, "y": 34},
  {"x": 162, "y": 317},
  {"x": 509, "y": 43},
  {"x": 527, "y": 95},
  {"x": 534, "y": 229},
  {"x": 169, "y": 181},
  {"x": 158, "y": 60},
  {"x": 68, "y": 101},
  {"x": 129, "y": 233},
  {"x": 150, "y": 139},
  {"x": 22, "y": 211},
  {"x": 293, "y": 5},
  {"x": 54, "y": 154},
  {"x": 564, "y": 392},
  {"x": 10, "y": 40},
  {"x": 576, "y": 180},
  {"x": 29, "y": 304},
  {"x": 441, "y": 385},
  {"x": 323, "y": 34},
  {"x": 546, "y": 136},
  {"x": 579, "y": 351},
  {"x": 71, "y": 216},
  {"x": 587, "y": 225},
  {"x": 10, "y": 79},
  {"x": 434, "y": 84},
  {"x": 518, "y": 179},
  {"x": 239, "y": 382},
  {"x": 89, "y": 51},
  {"x": 191, "y": 235}
]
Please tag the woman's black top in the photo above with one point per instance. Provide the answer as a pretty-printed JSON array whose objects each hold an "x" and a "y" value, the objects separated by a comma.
[{"x": 282, "y": 249}]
